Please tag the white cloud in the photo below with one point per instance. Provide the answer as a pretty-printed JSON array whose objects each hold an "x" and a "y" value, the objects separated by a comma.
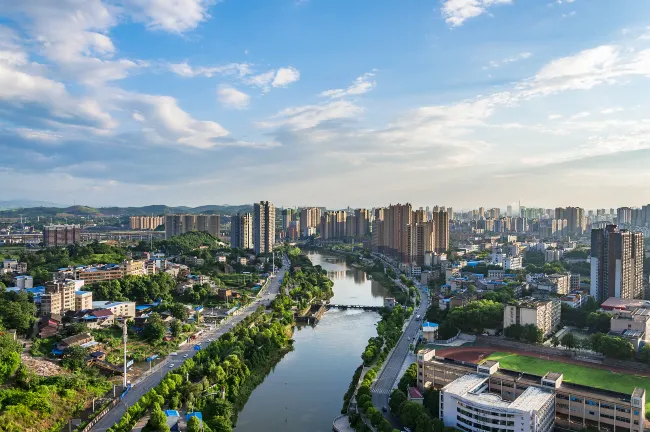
[
  {"x": 569, "y": 15},
  {"x": 185, "y": 70},
  {"x": 611, "y": 110},
  {"x": 456, "y": 12},
  {"x": 285, "y": 76},
  {"x": 230, "y": 97},
  {"x": 361, "y": 85},
  {"x": 39, "y": 135},
  {"x": 554, "y": 116},
  {"x": 580, "y": 115},
  {"x": 176, "y": 16},
  {"x": 507, "y": 60},
  {"x": 281, "y": 77},
  {"x": 309, "y": 116}
]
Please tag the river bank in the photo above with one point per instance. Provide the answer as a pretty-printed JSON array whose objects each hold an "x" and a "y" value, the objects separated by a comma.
[{"x": 304, "y": 391}]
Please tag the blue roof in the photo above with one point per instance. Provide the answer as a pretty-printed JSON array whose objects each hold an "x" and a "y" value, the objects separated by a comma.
[
  {"x": 473, "y": 263},
  {"x": 170, "y": 413},
  {"x": 429, "y": 324},
  {"x": 143, "y": 307},
  {"x": 81, "y": 292},
  {"x": 198, "y": 415}
]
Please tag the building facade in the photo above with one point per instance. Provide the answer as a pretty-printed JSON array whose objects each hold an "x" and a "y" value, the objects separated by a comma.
[
  {"x": 263, "y": 227},
  {"x": 616, "y": 263},
  {"x": 241, "y": 231},
  {"x": 177, "y": 224},
  {"x": 145, "y": 222},
  {"x": 441, "y": 222},
  {"x": 59, "y": 298},
  {"x": 576, "y": 407},
  {"x": 61, "y": 235},
  {"x": 543, "y": 314}
]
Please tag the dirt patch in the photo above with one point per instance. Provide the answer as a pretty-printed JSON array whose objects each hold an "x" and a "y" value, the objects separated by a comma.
[
  {"x": 42, "y": 367},
  {"x": 469, "y": 354}
]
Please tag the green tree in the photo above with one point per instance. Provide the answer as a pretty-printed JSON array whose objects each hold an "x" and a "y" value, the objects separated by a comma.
[
  {"x": 555, "y": 341},
  {"x": 397, "y": 397},
  {"x": 599, "y": 322},
  {"x": 194, "y": 424},
  {"x": 644, "y": 353},
  {"x": 176, "y": 328},
  {"x": 74, "y": 358},
  {"x": 155, "y": 328},
  {"x": 157, "y": 419},
  {"x": 409, "y": 379},
  {"x": 9, "y": 357},
  {"x": 568, "y": 340}
]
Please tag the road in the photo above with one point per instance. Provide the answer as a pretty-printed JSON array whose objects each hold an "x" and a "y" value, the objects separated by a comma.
[
  {"x": 383, "y": 386},
  {"x": 174, "y": 362}
]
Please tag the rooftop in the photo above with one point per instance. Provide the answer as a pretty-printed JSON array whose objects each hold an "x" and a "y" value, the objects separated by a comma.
[{"x": 430, "y": 325}]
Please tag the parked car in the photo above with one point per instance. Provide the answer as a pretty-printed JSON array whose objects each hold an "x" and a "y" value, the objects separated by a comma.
[
  {"x": 186, "y": 356},
  {"x": 171, "y": 365}
]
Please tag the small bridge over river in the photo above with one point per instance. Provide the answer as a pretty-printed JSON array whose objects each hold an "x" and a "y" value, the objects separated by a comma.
[{"x": 362, "y": 307}]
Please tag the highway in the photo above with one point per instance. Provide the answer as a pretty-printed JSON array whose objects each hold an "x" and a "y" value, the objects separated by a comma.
[
  {"x": 383, "y": 386},
  {"x": 174, "y": 362}
]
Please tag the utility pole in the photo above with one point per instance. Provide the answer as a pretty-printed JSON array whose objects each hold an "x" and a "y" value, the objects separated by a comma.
[{"x": 124, "y": 333}]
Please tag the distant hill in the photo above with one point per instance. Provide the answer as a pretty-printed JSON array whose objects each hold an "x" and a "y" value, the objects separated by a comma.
[
  {"x": 16, "y": 204},
  {"x": 53, "y": 211}
]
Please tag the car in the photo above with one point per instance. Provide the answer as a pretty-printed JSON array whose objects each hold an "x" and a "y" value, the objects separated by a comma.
[
  {"x": 173, "y": 354},
  {"x": 171, "y": 365},
  {"x": 384, "y": 409},
  {"x": 186, "y": 356}
]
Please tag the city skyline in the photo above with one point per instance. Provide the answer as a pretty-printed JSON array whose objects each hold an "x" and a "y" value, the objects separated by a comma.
[{"x": 131, "y": 102}]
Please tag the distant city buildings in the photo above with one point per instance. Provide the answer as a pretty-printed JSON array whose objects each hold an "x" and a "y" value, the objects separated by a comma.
[
  {"x": 241, "y": 231},
  {"x": 61, "y": 235},
  {"x": 616, "y": 263},
  {"x": 145, "y": 222},
  {"x": 177, "y": 224},
  {"x": 263, "y": 227}
]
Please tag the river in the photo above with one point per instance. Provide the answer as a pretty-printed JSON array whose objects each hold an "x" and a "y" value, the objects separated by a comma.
[{"x": 304, "y": 392}]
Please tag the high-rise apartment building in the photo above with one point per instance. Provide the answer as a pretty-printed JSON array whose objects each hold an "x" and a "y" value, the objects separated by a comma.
[
  {"x": 575, "y": 217},
  {"x": 362, "y": 222},
  {"x": 241, "y": 231},
  {"x": 481, "y": 212},
  {"x": 177, "y": 224},
  {"x": 420, "y": 239},
  {"x": 263, "y": 227},
  {"x": 616, "y": 263},
  {"x": 390, "y": 230},
  {"x": 310, "y": 217},
  {"x": 145, "y": 222},
  {"x": 333, "y": 225},
  {"x": 288, "y": 216},
  {"x": 624, "y": 216},
  {"x": 61, "y": 235},
  {"x": 441, "y": 222}
]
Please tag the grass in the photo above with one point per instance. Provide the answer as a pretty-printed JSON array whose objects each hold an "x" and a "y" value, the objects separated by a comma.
[{"x": 599, "y": 378}]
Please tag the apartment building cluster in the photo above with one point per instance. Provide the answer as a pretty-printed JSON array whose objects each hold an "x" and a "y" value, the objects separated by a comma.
[
  {"x": 486, "y": 397},
  {"x": 61, "y": 235},
  {"x": 176, "y": 224},
  {"x": 407, "y": 235},
  {"x": 145, "y": 222}
]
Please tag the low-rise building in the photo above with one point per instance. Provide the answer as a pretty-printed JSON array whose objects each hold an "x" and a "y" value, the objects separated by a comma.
[
  {"x": 496, "y": 274},
  {"x": 634, "y": 323},
  {"x": 389, "y": 302},
  {"x": 574, "y": 281},
  {"x": 429, "y": 331},
  {"x": 24, "y": 281},
  {"x": 83, "y": 300},
  {"x": 543, "y": 314},
  {"x": 551, "y": 255},
  {"x": 574, "y": 407},
  {"x": 12, "y": 266},
  {"x": 555, "y": 283},
  {"x": 76, "y": 340},
  {"x": 194, "y": 261},
  {"x": 119, "y": 309}
]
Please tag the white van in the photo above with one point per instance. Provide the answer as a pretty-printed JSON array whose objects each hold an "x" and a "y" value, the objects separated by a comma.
[{"x": 174, "y": 353}]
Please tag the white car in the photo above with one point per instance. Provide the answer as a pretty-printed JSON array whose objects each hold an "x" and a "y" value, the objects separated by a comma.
[
  {"x": 186, "y": 356},
  {"x": 171, "y": 365}
]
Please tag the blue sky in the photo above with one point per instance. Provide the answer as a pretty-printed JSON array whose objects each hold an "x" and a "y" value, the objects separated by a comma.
[{"x": 325, "y": 102}]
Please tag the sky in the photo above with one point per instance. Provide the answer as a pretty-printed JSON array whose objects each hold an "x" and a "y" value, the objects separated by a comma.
[{"x": 335, "y": 103}]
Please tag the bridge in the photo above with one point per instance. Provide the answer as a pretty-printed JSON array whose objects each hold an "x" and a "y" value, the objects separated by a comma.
[{"x": 366, "y": 308}]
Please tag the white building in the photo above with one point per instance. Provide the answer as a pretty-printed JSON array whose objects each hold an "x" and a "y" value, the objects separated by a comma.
[
  {"x": 24, "y": 281},
  {"x": 466, "y": 404},
  {"x": 513, "y": 263}
]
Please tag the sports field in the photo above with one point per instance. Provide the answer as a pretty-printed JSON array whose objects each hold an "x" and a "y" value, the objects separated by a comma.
[{"x": 576, "y": 374}]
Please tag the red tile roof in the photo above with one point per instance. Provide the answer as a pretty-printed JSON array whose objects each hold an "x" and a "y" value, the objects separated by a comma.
[{"x": 414, "y": 393}]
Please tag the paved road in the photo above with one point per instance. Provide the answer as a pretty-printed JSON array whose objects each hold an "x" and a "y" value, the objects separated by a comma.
[
  {"x": 384, "y": 384},
  {"x": 172, "y": 363}
]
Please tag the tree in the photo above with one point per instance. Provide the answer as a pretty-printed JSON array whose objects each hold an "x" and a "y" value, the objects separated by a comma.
[
  {"x": 644, "y": 353},
  {"x": 176, "y": 328},
  {"x": 9, "y": 357},
  {"x": 599, "y": 322},
  {"x": 194, "y": 424},
  {"x": 555, "y": 341},
  {"x": 155, "y": 328},
  {"x": 396, "y": 399},
  {"x": 432, "y": 402},
  {"x": 157, "y": 420},
  {"x": 74, "y": 358},
  {"x": 532, "y": 334},
  {"x": 178, "y": 311},
  {"x": 409, "y": 378},
  {"x": 569, "y": 340}
]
